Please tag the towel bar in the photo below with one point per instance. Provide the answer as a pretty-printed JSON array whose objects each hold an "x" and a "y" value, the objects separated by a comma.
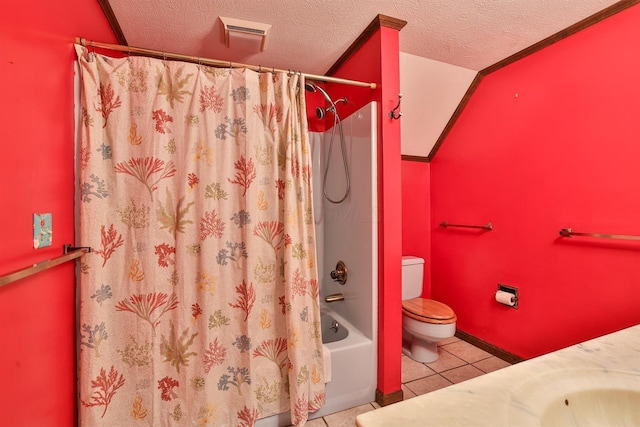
[
  {"x": 487, "y": 226},
  {"x": 44, "y": 265},
  {"x": 567, "y": 232}
]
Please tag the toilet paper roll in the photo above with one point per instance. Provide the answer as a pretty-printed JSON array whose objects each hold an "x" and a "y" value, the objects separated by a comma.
[{"x": 506, "y": 298}]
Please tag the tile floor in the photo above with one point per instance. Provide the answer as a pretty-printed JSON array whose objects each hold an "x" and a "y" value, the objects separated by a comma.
[{"x": 458, "y": 361}]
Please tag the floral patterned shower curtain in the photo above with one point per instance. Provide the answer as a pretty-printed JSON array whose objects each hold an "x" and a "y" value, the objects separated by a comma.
[{"x": 199, "y": 301}]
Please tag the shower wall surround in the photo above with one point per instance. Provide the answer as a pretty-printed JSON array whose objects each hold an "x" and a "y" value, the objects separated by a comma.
[{"x": 348, "y": 232}]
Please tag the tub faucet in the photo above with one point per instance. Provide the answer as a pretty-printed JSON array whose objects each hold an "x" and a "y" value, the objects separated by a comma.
[
  {"x": 340, "y": 273},
  {"x": 334, "y": 298}
]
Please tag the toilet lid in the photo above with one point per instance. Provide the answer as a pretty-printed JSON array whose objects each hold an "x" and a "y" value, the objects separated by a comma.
[{"x": 428, "y": 310}]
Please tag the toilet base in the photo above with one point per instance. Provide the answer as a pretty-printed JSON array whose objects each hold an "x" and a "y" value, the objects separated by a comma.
[{"x": 420, "y": 350}]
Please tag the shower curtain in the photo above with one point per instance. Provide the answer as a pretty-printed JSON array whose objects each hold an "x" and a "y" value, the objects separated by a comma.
[{"x": 199, "y": 300}]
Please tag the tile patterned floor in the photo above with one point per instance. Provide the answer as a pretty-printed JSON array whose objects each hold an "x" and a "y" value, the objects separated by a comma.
[{"x": 458, "y": 361}]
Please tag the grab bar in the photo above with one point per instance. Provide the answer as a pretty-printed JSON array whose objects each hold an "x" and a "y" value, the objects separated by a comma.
[
  {"x": 487, "y": 226},
  {"x": 44, "y": 265},
  {"x": 567, "y": 232}
]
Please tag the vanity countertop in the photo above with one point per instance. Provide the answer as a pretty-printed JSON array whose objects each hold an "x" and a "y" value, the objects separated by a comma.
[{"x": 493, "y": 399}]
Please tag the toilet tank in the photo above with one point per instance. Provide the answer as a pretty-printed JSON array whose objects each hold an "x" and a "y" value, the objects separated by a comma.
[{"x": 412, "y": 276}]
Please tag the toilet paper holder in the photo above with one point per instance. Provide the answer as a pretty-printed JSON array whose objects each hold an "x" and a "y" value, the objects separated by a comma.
[{"x": 512, "y": 290}]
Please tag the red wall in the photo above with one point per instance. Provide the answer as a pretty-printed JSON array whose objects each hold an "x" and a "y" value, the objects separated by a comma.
[
  {"x": 416, "y": 215},
  {"x": 37, "y": 314},
  {"x": 378, "y": 61},
  {"x": 548, "y": 142}
]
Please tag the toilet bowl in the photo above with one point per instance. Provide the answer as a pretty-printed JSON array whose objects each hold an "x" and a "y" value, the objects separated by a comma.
[{"x": 424, "y": 321}]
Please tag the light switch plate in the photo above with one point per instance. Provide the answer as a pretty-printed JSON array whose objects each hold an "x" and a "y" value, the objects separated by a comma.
[{"x": 42, "y": 230}]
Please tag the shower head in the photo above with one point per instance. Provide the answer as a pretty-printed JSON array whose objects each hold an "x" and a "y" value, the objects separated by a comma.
[
  {"x": 322, "y": 112},
  {"x": 311, "y": 87}
]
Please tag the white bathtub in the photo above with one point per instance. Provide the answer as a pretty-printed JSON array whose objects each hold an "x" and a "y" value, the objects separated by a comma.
[{"x": 351, "y": 383}]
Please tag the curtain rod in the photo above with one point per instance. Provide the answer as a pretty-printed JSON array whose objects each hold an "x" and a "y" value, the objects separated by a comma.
[{"x": 215, "y": 62}]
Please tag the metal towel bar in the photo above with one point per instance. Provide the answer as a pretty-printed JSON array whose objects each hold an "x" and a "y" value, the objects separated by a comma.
[
  {"x": 44, "y": 265},
  {"x": 567, "y": 232},
  {"x": 487, "y": 226}
]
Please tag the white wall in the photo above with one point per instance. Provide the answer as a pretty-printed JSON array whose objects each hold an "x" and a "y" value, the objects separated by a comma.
[
  {"x": 431, "y": 91},
  {"x": 349, "y": 231}
]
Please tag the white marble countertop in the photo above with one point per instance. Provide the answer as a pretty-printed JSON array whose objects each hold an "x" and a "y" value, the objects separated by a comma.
[{"x": 512, "y": 395}]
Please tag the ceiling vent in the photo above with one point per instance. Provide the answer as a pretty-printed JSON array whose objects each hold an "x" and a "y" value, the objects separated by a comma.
[{"x": 245, "y": 35}]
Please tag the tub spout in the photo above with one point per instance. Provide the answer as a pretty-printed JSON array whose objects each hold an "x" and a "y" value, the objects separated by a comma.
[{"x": 334, "y": 298}]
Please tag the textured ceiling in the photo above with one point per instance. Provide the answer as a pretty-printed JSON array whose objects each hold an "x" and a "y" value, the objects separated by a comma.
[{"x": 310, "y": 35}]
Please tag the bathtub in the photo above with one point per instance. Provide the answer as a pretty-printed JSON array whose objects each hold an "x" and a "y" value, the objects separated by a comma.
[
  {"x": 351, "y": 383},
  {"x": 332, "y": 330}
]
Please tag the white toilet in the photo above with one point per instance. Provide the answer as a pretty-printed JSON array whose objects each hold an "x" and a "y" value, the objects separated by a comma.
[{"x": 424, "y": 321}]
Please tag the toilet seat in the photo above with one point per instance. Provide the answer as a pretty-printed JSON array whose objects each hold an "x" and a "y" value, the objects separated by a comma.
[{"x": 428, "y": 311}]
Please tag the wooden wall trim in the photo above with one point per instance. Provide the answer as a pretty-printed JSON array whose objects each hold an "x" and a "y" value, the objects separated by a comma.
[
  {"x": 389, "y": 398},
  {"x": 575, "y": 28},
  {"x": 579, "y": 26},
  {"x": 377, "y": 23},
  {"x": 390, "y": 22},
  {"x": 489, "y": 348},
  {"x": 408, "y": 158},
  {"x": 113, "y": 22}
]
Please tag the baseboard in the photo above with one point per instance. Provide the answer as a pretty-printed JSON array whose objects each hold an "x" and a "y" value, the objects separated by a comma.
[
  {"x": 389, "y": 398},
  {"x": 489, "y": 348}
]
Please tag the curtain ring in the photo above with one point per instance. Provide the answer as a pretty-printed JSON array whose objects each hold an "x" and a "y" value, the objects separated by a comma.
[
  {"x": 164, "y": 58},
  {"x": 259, "y": 68},
  {"x": 92, "y": 53},
  {"x": 128, "y": 54}
]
